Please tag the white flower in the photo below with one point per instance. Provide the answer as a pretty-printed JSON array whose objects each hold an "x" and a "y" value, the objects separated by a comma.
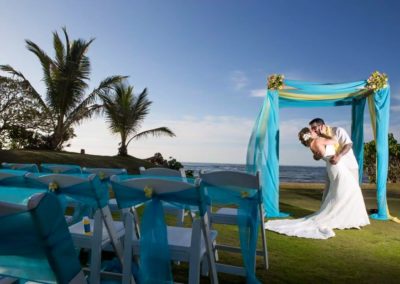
[{"x": 306, "y": 136}]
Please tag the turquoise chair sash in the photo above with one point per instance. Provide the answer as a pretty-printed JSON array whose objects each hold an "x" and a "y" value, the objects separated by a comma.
[
  {"x": 247, "y": 201},
  {"x": 60, "y": 169},
  {"x": 155, "y": 261},
  {"x": 36, "y": 245}
]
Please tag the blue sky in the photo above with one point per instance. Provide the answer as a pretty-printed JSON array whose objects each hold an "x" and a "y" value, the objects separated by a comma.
[{"x": 205, "y": 63}]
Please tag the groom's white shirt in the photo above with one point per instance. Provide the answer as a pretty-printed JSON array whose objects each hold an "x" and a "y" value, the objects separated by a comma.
[{"x": 343, "y": 138}]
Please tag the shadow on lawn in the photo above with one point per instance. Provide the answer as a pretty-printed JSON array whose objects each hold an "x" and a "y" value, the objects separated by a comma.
[{"x": 294, "y": 211}]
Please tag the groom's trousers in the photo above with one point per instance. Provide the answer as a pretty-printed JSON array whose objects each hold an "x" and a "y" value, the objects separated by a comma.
[{"x": 354, "y": 172}]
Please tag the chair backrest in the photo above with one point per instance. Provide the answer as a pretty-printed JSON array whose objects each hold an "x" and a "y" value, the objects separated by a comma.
[
  {"x": 22, "y": 167},
  {"x": 162, "y": 172},
  {"x": 104, "y": 173},
  {"x": 83, "y": 188},
  {"x": 244, "y": 191},
  {"x": 231, "y": 179},
  {"x": 13, "y": 178},
  {"x": 60, "y": 169},
  {"x": 35, "y": 245},
  {"x": 155, "y": 259},
  {"x": 130, "y": 192}
]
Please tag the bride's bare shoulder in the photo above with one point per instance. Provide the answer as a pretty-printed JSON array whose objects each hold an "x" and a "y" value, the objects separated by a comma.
[{"x": 318, "y": 145}]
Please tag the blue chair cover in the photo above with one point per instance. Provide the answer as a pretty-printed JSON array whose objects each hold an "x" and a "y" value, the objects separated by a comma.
[
  {"x": 60, "y": 169},
  {"x": 155, "y": 260},
  {"x": 247, "y": 201},
  {"x": 33, "y": 168},
  {"x": 13, "y": 178},
  {"x": 36, "y": 245},
  {"x": 89, "y": 195},
  {"x": 104, "y": 174}
]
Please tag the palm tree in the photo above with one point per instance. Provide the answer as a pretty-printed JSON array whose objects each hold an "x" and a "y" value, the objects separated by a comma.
[
  {"x": 125, "y": 113},
  {"x": 65, "y": 102}
]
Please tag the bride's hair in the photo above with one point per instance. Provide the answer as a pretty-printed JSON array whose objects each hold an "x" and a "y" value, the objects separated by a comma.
[{"x": 305, "y": 136}]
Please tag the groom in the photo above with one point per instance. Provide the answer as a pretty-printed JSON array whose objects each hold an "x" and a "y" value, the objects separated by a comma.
[{"x": 344, "y": 151}]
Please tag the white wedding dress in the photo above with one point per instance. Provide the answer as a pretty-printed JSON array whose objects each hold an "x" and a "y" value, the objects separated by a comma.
[{"x": 343, "y": 207}]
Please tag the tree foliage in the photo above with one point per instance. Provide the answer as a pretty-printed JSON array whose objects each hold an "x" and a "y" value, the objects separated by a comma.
[
  {"x": 159, "y": 160},
  {"x": 22, "y": 122},
  {"x": 66, "y": 102},
  {"x": 394, "y": 160}
]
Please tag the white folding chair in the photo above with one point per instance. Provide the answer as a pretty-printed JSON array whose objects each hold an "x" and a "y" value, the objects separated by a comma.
[
  {"x": 106, "y": 232},
  {"x": 164, "y": 172},
  {"x": 104, "y": 174},
  {"x": 192, "y": 245},
  {"x": 229, "y": 216},
  {"x": 45, "y": 234}
]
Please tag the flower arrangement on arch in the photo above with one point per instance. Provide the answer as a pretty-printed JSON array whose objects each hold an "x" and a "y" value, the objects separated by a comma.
[
  {"x": 275, "y": 82},
  {"x": 377, "y": 81}
]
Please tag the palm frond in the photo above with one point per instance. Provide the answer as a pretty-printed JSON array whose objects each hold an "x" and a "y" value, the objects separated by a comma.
[
  {"x": 82, "y": 114},
  {"x": 46, "y": 62},
  {"x": 59, "y": 49},
  {"x": 156, "y": 132}
]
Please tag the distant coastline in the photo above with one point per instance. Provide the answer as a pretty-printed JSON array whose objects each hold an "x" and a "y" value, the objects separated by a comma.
[{"x": 290, "y": 174}]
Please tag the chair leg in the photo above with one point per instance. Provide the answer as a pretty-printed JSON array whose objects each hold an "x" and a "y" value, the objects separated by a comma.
[
  {"x": 210, "y": 253},
  {"x": 264, "y": 239},
  {"x": 115, "y": 241},
  {"x": 126, "y": 269},
  {"x": 180, "y": 215},
  {"x": 194, "y": 259},
  {"x": 136, "y": 222},
  {"x": 95, "y": 252}
]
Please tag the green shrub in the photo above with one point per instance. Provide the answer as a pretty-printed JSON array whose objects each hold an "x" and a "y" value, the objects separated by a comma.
[{"x": 394, "y": 160}]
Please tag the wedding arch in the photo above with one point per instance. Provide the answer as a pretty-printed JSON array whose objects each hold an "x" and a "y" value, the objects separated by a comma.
[{"x": 263, "y": 149}]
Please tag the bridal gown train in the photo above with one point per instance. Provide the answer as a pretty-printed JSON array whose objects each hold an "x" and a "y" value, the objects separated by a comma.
[{"x": 343, "y": 207}]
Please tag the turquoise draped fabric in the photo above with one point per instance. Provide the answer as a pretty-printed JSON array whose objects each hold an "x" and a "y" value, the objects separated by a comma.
[
  {"x": 36, "y": 245},
  {"x": 263, "y": 153},
  {"x": 155, "y": 260},
  {"x": 325, "y": 88},
  {"x": 263, "y": 148},
  {"x": 357, "y": 133},
  {"x": 382, "y": 110},
  {"x": 247, "y": 201}
]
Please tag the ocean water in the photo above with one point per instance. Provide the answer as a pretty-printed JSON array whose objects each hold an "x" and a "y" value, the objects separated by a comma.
[{"x": 286, "y": 173}]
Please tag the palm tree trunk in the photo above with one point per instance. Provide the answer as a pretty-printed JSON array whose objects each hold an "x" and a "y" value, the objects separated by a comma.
[
  {"x": 57, "y": 138},
  {"x": 123, "y": 149}
]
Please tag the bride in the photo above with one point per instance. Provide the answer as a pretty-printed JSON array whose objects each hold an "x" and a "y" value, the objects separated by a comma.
[{"x": 343, "y": 207}]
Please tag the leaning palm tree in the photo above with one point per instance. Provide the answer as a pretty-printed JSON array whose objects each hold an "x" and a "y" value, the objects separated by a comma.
[
  {"x": 125, "y": 113},
  {"x": 65, "y": 102}
]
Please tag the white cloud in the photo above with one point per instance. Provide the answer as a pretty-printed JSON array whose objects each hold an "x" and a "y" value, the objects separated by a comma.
[
  {"x": 239, "y": 79},
  {"x": 258, "y": 93}
]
